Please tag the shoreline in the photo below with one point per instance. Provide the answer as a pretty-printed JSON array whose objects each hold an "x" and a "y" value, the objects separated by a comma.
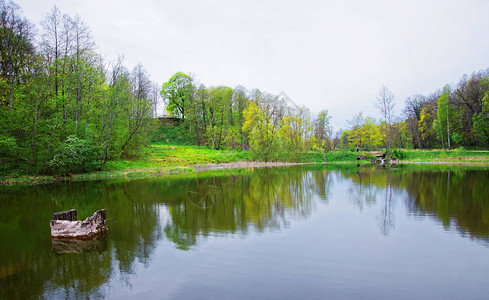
[
  {"x": 167, "y": 171},
  {"x": 179, "y": 170},
  {"x": 249, "y": 164}
]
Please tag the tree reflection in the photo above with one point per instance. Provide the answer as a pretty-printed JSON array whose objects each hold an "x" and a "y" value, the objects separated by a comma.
[
  {"x": 322, "y": 183},
  {"x": 230, "y": 203},
  {"x": 29, "y": 259},
  {"x": 365, "y": 189},
  {"x": 457, "y": 197},
  {"x": 387, "y": 222},
  {"x": 263, "y": 200}
]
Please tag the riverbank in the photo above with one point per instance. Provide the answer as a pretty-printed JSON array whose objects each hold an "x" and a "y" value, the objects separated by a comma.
[
  {"x": 168, "y": 160},
  {"x": 165, "y": 160},
  {"x": 416, "y": 156},
  {"x": 445, "y": 156}
]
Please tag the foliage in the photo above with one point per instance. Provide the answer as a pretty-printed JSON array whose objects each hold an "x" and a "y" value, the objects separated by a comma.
[
  {"x": 341, "y": 156},
  {"x": 398, "y": 154},
  {"x": 56, "y": 91},
  {"x": 75, "y": 156},
  {"x": 176, "y": 92},
  {"x": 175, "y": 133},
  {"x": 366, "y": 135},
  {"x": 323, "y": 131},
  {"x": 443, "y": 118},
  {"x": 481, "y": 120},
  {"x": 427, "y": 124},
  {"x": 456, "y": 116},
  {"x": 264, "y": 141}
]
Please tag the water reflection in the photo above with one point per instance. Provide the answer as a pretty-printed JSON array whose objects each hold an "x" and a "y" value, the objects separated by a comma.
[
  {"x": 263, "y": 200},
  {"x": 455, "y": 196},
  {"x": 65, "y": 246},
  {"x": 186, "y": 211}
]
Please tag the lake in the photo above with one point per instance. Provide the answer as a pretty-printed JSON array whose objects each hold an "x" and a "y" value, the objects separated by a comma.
[{"x": 308, "y": 232}]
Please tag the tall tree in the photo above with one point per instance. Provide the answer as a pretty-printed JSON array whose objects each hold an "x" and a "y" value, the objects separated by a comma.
[
  {"x": 481, "y": 120},
  {"x": 51, "y": 41},
  {"x": 385, "y": 104},
  {"x": 443, "y": 116},
  {"x": 15, "y": 45},
  {"x": 154, "y": 98},
  {"x": 428, "y": 116},
  {"x": 176, "y": 92},
  {"x": 323, "y": 130},
  {"x": 412, "y": 111}
]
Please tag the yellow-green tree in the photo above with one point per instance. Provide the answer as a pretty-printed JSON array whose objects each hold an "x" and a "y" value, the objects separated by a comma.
[
  {"x": 428, "y": 115},
  {"x": 366, "y": 136},
  {"x": 263, "y": 135}
]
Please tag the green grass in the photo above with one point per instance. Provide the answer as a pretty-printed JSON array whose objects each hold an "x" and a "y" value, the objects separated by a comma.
[
  {"x": 182, "y": 159},
  {"x": 458, "y": 155},
  {"x": 175, "y": 134},
  {"x": 434, "y": 156},
  {"x": 343, "y": 156},
  {"x": 163, "y": 156}
]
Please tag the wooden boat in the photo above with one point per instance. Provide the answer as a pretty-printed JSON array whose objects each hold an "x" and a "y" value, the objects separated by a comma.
[{"x": 65, "y": 226}]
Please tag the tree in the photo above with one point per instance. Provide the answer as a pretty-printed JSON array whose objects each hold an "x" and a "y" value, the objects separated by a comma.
[
  {"x": 51, "y": 41},
  {"x": 385, "y": 105},
  {"x": 154, "y": 99},
  {"x": 293, "y": 134},
  {"x": 428, "y": 115},
  {"x": 412, "y": 110},
  {"x": 443, "y": 116},
  {"x": 239, "y": 103},
  {"x": 366, "y": 136},
  {"x": 481, "y": 120},
  {"x": 322, "y": 130},
  {"x": 264, "y": 142},
  {"x": 15, "y": 45},
  {"x": 219, "y": 120},
  {"x": 51, "y": 92},
  {"x": 176, "y": 92}
]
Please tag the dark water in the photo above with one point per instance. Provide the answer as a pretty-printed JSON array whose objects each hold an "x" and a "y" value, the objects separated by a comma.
[{"x": 310, "y": 232}]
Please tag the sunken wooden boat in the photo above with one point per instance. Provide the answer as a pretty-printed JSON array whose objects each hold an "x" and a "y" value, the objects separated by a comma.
[{"x": 64, "y": 225}]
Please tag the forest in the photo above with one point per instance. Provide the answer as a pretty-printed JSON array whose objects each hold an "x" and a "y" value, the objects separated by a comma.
[{"x": 64, "y": 108}]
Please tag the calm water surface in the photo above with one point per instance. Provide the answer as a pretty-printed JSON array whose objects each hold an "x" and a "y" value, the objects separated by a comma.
[{"x": 311, "y": 232}]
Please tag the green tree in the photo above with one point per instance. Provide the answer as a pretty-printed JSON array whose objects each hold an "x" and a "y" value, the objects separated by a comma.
[
  {"x": 481, "y": 120},
  {"x": 366, "y": 136},
  {"x": 443, "y": 117},
  {"x": 426, "y": 125},
  {"x": 264, "y": 142},
  {"x": 176, "y": 92},
  {"x": 219, "y": 119},
  {"x": 323, "y": 130}
]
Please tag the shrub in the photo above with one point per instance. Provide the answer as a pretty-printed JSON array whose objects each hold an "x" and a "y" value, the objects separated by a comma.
[
  {"x": 75, "y": 156},
  {"x": 398, "y": 154}
]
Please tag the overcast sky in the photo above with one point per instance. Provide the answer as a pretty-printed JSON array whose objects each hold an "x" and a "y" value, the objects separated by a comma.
[{"x": 332, "y": 55}]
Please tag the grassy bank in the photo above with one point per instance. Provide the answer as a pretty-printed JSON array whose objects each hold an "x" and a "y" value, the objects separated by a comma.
[
  {"x": 427, "y": 156},
  {"x": 162, "y": 160},
  {"x": 458, "y": 155},
  {"x": 179, "y": 159}
]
